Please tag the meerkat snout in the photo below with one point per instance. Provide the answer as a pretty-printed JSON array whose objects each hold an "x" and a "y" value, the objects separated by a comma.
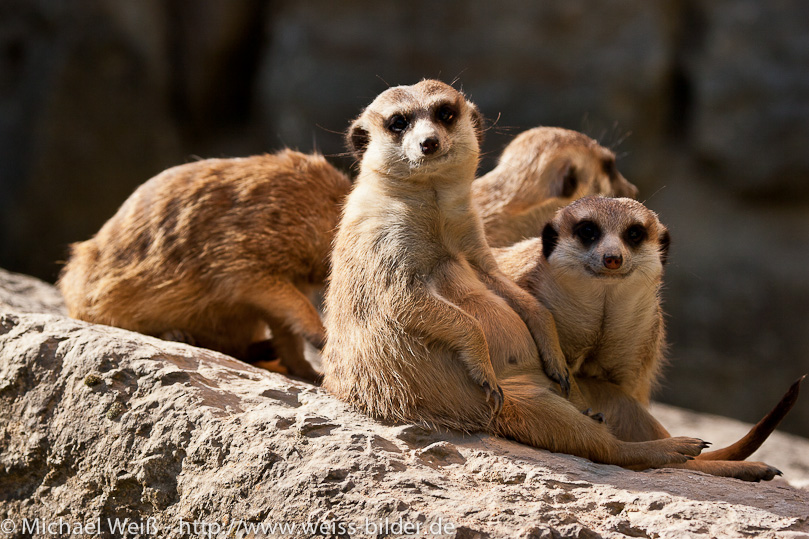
[
  {"x": 427, "y": 136},
  {"x": 613, "y": 261},
  {"x": 424, "y": 141},
  {"x": 429, "y": 145}
]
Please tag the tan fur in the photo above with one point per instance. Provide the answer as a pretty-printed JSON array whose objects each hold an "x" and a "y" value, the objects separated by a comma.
[
  {"x": 609, "y": 319},
  {"x": 541, "y": 170},
  {"x": 217, "y": 250},
  {"x": 422, "y": 326}
]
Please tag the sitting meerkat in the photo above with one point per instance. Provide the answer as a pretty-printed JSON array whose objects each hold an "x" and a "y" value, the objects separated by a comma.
[
  {"x": 598, "y": 268},
  {"x": 541, "y": 170},
  {"x": 422, "y": 326},
  {"x": 213, "y": 253}
]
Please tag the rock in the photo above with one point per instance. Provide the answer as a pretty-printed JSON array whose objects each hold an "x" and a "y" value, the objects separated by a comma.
[
  {"x": 99, "y": 425},
  {"x": 26, "y": 294}
]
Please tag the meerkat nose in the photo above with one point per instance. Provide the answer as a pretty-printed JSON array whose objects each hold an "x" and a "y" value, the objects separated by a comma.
[
  {"x": 613, "y": 261},
  {"x": 429, "y": 145}
]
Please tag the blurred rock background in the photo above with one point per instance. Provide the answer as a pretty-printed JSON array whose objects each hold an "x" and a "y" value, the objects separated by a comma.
[{"x": 707, "y": 104}]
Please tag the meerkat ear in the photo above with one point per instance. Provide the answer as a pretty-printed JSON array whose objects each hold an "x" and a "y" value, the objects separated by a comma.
[
  {"x": 357, "y": 139},
  {"x": 565, "y": 182},
  {"x": 665, "y": 243},
  {"x": 477, "y": 121},
  {"x": 550, "y": 237}
]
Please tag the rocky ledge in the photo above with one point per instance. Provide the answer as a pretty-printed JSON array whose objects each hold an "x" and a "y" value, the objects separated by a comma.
[{"x": 110, "y": 433}]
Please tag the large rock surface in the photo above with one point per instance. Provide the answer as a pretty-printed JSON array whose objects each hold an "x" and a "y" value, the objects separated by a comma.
[{"x": 102, "y": 423}]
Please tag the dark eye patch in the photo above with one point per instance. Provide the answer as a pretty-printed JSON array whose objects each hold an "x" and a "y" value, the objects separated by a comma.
[
  {"x": 446, "y": 114},
  {"x": 588, "y": 232},
  {"x": 608, "y": 165},
  {"x": 635, "y": 235},
  {"x": 569, "y": 183},
  {"x": 397, "y": 123}
]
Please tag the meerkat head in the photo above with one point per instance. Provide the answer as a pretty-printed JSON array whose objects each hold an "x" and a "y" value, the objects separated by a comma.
[
  {"x": 609, "y": 238},
  {"x": 561, "y": 163},
  {"x": 412, "y": 130}
]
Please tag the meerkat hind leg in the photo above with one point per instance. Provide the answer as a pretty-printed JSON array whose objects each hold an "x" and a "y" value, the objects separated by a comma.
[
  {"x": 630, "y": 421},
  {"x": 280, "y": 300},
  {"x": 626, "y": 418},
  {"x": 289, "y": 347},
  {"x": 291, "y": 318},
  {"x": 738, "y": 469},
  {"x": 535, "y": 415}
]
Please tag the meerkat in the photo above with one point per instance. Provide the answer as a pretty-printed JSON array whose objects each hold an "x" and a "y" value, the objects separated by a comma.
[
  {"x": 598, "y": 268},
  {"x": 422, "y": 326},
  {"x": 213, "y": 253},
  {"x": 541, "y": 170}
]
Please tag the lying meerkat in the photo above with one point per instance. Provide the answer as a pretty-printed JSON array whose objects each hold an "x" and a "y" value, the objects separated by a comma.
[
  {"x": 213, "y": 252},
  {"x": 541, "y": 170},
  {"x": 598, "y": 268},
  {"x": 422, "y": 326}
]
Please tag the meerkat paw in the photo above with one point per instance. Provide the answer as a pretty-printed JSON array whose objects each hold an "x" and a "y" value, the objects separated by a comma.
[
  {"x": 676, "y": 452},
  {"x": 683, "y": 448},
  {"x": 494, "y": 396},
  {"x": 756, "y": 471},
  {"x": 559, "y": 376},
  {"x": 744, "y": 470},
  {"x": 178, "y": 335}
]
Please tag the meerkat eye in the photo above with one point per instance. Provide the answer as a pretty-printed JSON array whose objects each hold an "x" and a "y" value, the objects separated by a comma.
[
  {"x": 446, "y": 114},
  {"x": 397, "y": 123},
  {"x": 587, "y": 231},
  {"x": 635, "y": 234}
]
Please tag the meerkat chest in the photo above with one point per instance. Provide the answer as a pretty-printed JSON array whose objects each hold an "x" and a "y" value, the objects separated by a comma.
[{"x": 601, "y": 324}]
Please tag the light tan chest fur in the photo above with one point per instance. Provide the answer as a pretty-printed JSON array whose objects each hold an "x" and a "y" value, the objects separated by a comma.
[{"x": 607, "y": 330}]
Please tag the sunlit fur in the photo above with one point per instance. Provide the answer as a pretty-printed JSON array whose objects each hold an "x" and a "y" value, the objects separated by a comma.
[
  {"x": 610, "y": 321},
  {"x": 218, "y": 250},
  {"x": 541, "y": 170},
  {"x": 420, "y": 320}
]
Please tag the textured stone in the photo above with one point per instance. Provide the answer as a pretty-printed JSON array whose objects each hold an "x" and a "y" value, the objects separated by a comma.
[{"x": 183, "y": 441}]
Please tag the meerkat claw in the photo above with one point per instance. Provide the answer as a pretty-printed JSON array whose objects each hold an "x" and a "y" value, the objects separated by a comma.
[
  {"x": 563, "y": 381},
  {"x": 494, "y": 396}
]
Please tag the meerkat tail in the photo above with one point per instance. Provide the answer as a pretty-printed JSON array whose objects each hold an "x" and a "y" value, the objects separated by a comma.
[{"x": 751, "y": 441}]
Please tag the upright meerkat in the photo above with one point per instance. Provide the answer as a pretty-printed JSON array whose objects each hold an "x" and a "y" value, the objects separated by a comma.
[
  {"x": 598, "y": 268},
  {"x": 422, "y": 326},
  {"x": 541, "y": 170},
  {"x": 216, "y": 250}
]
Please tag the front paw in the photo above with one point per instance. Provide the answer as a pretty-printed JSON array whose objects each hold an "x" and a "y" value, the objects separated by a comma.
[
  {"x": 561, "y": 377},
  {"x": 494, "y": 396}
]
